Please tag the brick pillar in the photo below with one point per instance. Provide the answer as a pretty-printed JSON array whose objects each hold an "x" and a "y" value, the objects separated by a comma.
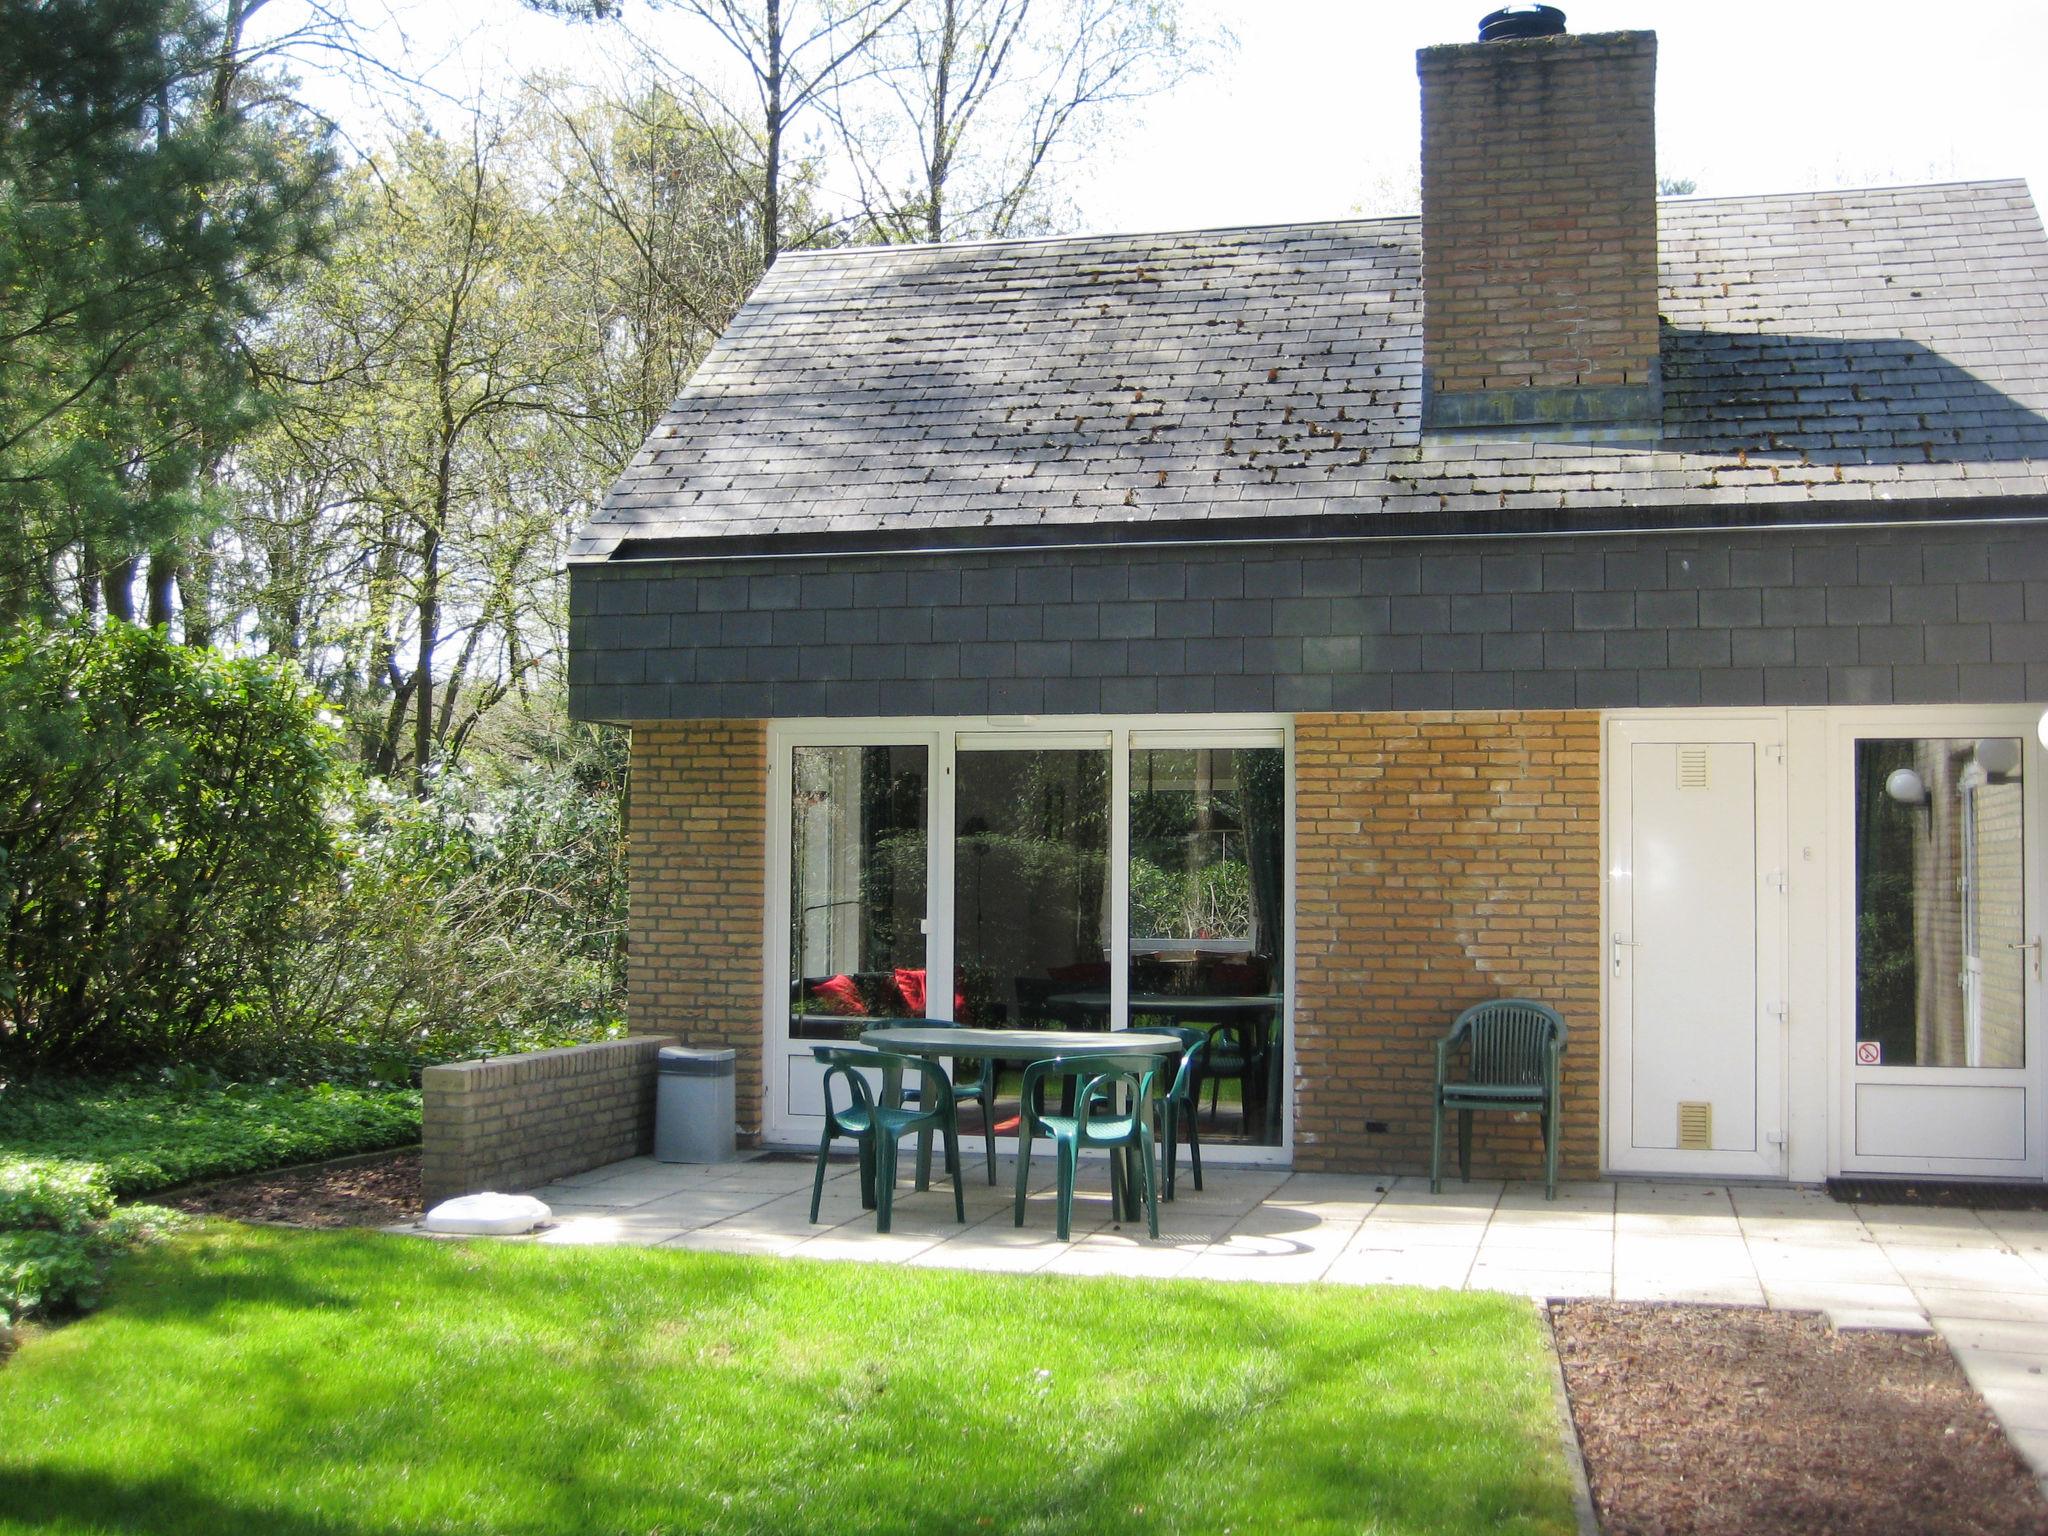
[
  {"x": 1539, "y": 235},
  {"x": 698, "y": 849},
  {"x": 1440, "y": 860}
]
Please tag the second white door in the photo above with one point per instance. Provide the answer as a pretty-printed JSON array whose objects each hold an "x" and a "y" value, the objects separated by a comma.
[{"x": 1695, "y": 947}]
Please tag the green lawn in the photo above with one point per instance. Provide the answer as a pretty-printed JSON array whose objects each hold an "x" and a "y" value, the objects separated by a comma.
[{"x": 295, "y": 1383}]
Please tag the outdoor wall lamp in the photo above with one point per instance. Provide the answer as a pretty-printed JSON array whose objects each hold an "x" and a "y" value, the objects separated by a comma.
[
  {"x": 1907, "y": 787},
  {"x": 1998, "y": 756}
]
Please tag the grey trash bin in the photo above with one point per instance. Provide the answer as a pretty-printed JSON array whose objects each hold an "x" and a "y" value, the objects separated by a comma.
[{"x": 693, "y": 1105}]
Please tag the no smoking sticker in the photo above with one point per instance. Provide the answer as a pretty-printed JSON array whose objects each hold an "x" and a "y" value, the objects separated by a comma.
[{"x": 1869, "y": 1053}]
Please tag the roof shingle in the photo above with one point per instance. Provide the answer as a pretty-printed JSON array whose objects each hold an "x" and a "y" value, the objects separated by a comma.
[{"x": 1820, "y": 348}]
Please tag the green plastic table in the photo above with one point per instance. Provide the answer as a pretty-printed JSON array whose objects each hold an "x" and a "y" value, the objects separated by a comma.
[
  {"x": 1007, "y": 1045},
  {"x": 1210, "y": 1010}
]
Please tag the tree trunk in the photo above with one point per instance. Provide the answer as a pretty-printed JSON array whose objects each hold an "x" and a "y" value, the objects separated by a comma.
[
  {"x": 771, "y": 170},
  {"x": 195, "y": 600},
  {"x": 938, "y": 167},
  {"x": 423, "y": 675},
  {"x": 118, "y": 586},
  {"x": 164, "y": 566}
]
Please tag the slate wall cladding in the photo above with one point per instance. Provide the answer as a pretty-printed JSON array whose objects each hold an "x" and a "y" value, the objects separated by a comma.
[
  {"x": 511, "y": 1122},
  {"x": 1919, "y": 614}
]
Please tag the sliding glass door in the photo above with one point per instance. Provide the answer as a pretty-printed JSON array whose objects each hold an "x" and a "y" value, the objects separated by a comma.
[
  {"x": 1042, "y": 878},
  {"x": 1031, "y": 916},
  {"x": 1208, "y": 919},
  {"x": 858, "y": 887}
]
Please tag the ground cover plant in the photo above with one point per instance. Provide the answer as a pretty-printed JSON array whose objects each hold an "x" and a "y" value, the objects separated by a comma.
[
  {"x": 302, "y": 1382},
  {"x": 59, "y": 1227},
  {"x": 147, "y": 1136},
  {"x": 69, "y": 1147}
]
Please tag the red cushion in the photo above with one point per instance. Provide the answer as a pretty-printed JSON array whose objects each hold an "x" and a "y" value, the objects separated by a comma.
[
  {"x": 911, "y": 985},
  {"x": 840, "y": 992}
]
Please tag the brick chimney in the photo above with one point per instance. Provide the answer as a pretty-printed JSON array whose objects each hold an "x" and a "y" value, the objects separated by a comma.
[{"x": 1539, "y": 238}]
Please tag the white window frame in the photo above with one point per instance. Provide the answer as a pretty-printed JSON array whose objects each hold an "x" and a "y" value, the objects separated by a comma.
[
  {"x": 945, "y": 737},
  {"x": 1846, "y": 726}
]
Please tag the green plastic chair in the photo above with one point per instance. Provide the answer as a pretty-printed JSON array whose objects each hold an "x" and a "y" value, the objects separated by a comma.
[
  {"x": 1513, "y": 1051},
  {"x": 1183, "y": 1101},
  {"x": 1098, "y": 1120},
  {"x": 877, "y": 1128},
  {"x": 976, "y": 1090},
  {"x": 1232, "y": 1053}
]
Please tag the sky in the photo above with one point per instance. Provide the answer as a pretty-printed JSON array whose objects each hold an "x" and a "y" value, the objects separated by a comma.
[{"x": 1314, "y": 114}]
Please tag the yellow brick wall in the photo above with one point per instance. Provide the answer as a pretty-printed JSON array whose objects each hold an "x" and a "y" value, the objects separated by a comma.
[
  {"x": 699, "y": 837},
  {"x": 1441, "y": 859}
]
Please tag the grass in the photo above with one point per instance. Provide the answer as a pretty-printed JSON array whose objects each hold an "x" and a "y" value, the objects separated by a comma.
[
  {"x": 298, "y": 1383},
  {"x": 150, "y": 1136}
]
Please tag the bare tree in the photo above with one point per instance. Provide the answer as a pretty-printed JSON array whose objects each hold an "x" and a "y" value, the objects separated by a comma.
[
  {"x": 969, "y": 105},
  {"x": 793, "y": 54}
]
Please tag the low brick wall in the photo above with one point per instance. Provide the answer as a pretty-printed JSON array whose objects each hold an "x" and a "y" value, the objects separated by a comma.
[{"x": 511, "y": 1122}]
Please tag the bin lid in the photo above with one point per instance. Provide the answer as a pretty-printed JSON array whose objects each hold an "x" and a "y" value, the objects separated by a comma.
[{"x": 696, "y": 1061}]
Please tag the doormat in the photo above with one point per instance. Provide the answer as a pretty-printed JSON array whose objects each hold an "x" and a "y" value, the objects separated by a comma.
[{"x": 1955, "y": 1194}]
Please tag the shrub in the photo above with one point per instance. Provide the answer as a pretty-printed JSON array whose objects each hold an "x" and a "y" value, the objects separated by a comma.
[
  {"x": 484, "y": 917},
  {"x": 59, "y": 1196},
  {"x": 58, "y": 1228},
  {"x": 160, "y": 818},
  {"x": 45, "y": 1271}
]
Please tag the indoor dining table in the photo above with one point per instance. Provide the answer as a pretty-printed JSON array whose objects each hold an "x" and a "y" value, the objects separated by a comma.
[{"x": 1026, "y": 1045}]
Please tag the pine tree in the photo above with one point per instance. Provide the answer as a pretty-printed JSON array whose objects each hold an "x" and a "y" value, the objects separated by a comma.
[{"x": 149, "y": 197}]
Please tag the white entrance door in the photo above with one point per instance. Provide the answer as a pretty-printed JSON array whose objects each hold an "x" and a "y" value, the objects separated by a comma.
[
  {"x": 1939, "y": 950},
  {"x": 1695, "y": 946}
]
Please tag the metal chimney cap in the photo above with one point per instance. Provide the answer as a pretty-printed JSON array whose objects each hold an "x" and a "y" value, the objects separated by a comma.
[{"x": 1513, "y": 21}]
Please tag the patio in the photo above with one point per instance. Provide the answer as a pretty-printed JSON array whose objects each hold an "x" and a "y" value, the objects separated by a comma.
[{"x": 1978, "y": 1278}]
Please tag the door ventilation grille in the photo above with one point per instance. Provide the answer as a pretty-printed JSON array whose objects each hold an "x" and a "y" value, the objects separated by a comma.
[
  {"x": 1695, "y": 1126},
  {"x": 1692, "y": 767}
]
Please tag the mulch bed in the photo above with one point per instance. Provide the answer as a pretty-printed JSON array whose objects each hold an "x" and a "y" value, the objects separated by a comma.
[
  {"x": 366, "y": 1194},
  {"x": 1714, "y": 1421}
]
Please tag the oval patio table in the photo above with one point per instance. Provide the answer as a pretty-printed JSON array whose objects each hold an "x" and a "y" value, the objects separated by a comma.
[
  {"x": 1210, "y": 1010},
  {"x": 1008, "y": 1045}
]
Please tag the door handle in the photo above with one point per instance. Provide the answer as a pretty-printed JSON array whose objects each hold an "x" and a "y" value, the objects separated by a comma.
[
  {"x": 2035, "y": 945},
  {"x": 1621, "y": 943}
]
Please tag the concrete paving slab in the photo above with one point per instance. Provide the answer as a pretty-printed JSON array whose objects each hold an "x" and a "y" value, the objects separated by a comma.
[
  {"x": 2003, "y": 1336},
  {"x": 1944, "y": 1302},
  {"x": 1438, "y": 1269},
  {"x": 1575, "y": 1259},
  {"x": 1877, "y": 1320},
  {"x": 1841, "y": 1296},
  {"x": 1540, "y": 1284},
  {"x": 1730, "y": 1290},
  {"x": 1376, "y": 1231}
]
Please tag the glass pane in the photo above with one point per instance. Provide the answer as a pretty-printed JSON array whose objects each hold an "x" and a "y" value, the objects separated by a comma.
[
  {"x": 857, "y": 888},
  {"x": 1207, "y": 920},
  {"x": 1030, "y": 873},
  {"x": 1940, "y": 975}
]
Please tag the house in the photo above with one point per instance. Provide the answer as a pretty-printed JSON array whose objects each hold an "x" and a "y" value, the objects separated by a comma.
[{"x": 1309, "y": 631}]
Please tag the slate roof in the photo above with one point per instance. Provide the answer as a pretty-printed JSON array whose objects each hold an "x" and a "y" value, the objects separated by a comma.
[{"x": 1821, "y": 350}]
